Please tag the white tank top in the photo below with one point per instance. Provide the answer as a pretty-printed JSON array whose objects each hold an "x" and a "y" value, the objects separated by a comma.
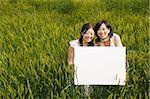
[{"x": 74, "y": 43}]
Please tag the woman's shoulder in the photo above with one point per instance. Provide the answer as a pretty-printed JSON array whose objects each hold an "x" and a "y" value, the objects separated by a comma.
[
  {"x": 115, "y": 36},
  {"x": 116, "y": 40},
  {"x": 74, "y": 43}
]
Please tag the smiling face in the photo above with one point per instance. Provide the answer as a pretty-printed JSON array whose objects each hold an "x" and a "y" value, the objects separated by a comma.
[
  {"x": 88, "y": 35},
  {"x": 103, "y": 31}
]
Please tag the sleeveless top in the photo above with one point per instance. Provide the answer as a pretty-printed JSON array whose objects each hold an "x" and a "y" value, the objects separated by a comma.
[{"x": 74, "y": 43}]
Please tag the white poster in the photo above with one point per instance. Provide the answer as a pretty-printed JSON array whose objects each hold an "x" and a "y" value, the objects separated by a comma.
[{"x": 100, "y": 66}]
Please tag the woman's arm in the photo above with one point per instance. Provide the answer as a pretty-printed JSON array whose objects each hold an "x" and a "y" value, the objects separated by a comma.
[
  {"x": 118, "y": 42},
  {"x": 70, "y": 55}
]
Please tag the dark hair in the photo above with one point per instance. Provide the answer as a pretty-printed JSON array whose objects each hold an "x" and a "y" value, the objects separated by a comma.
[
  {"x": 98, "y": 25},
  {"x": 85, "y": 27}
]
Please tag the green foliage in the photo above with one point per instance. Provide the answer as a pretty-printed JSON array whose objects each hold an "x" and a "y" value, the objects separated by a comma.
[{"x": 34, "y": 42}]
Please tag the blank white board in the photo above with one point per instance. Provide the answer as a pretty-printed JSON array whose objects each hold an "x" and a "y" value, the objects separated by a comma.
[{"x": 99, "y": 65}]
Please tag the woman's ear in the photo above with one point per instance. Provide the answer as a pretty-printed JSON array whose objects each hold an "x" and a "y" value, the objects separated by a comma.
[
  {"x": 83, "y": 32},
  {"x": 108, "y": 30}
]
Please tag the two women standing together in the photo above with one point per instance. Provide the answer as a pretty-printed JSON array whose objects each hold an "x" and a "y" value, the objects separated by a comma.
[{"x": 103, "y": 32}]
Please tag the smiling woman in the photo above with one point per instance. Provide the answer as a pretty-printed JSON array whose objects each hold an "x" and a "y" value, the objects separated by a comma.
[
  {"x": 105, "y": 35},
  {"x": 86, "y": 39}
]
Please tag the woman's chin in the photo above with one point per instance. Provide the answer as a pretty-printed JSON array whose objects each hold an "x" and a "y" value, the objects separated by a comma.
[
  {"x": 103, "y": 37},
  {"x": 89, "y": 41}
]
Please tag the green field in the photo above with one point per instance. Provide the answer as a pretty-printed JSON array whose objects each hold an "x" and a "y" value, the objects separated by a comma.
[{"x": 34, "y": 36}]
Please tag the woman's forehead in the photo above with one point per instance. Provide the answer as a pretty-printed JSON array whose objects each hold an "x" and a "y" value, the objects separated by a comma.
[
  {"x": 90, "y": 30},
  {"x": 103, "y": 25}
]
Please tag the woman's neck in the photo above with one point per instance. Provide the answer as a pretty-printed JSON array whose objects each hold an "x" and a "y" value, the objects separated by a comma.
[
  {"x": 105, "y": 39},
  {"x": 104, "y": 42}
]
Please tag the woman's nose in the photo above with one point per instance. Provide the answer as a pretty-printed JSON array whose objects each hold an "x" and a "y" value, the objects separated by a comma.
[
  {"x": 101, "y": 32},
  {"x": 89, "y": 35}
]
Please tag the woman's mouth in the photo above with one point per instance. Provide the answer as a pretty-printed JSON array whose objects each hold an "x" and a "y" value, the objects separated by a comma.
[{"x": 88, "y": 39}]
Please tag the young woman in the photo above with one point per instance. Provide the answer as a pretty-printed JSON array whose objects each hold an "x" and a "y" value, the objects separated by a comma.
[
  {"x": 86, "y": 39},
  {"x": 105, "y": 35}
]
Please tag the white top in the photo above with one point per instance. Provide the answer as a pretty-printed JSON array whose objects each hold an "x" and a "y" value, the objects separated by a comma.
[
  {"x": 74, "y": 43},
  {"x": 113, "y": 39}
]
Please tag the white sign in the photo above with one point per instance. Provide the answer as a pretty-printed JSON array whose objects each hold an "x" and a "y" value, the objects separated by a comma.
[{"x": 100, "y": 66}]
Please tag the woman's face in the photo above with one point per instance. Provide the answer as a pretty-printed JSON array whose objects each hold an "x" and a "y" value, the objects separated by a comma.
[
  {"x": 103, "y": 31},
  {"x": 89, "y": 35}
]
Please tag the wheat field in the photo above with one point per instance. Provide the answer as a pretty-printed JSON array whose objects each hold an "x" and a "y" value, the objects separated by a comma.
[{"x": 34, "y": 37}]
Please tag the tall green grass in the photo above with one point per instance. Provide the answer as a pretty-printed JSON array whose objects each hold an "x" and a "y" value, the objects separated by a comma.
[{"x": 34, "y": 36}]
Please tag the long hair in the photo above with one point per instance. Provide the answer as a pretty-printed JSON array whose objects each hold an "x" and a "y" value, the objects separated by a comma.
[
  {"x": 85, "y": 27},
  {"x": 98, "y": 25}
]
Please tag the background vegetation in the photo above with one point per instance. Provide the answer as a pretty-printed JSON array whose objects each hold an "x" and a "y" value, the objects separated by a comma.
[{"x": 34, "y": 36}]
